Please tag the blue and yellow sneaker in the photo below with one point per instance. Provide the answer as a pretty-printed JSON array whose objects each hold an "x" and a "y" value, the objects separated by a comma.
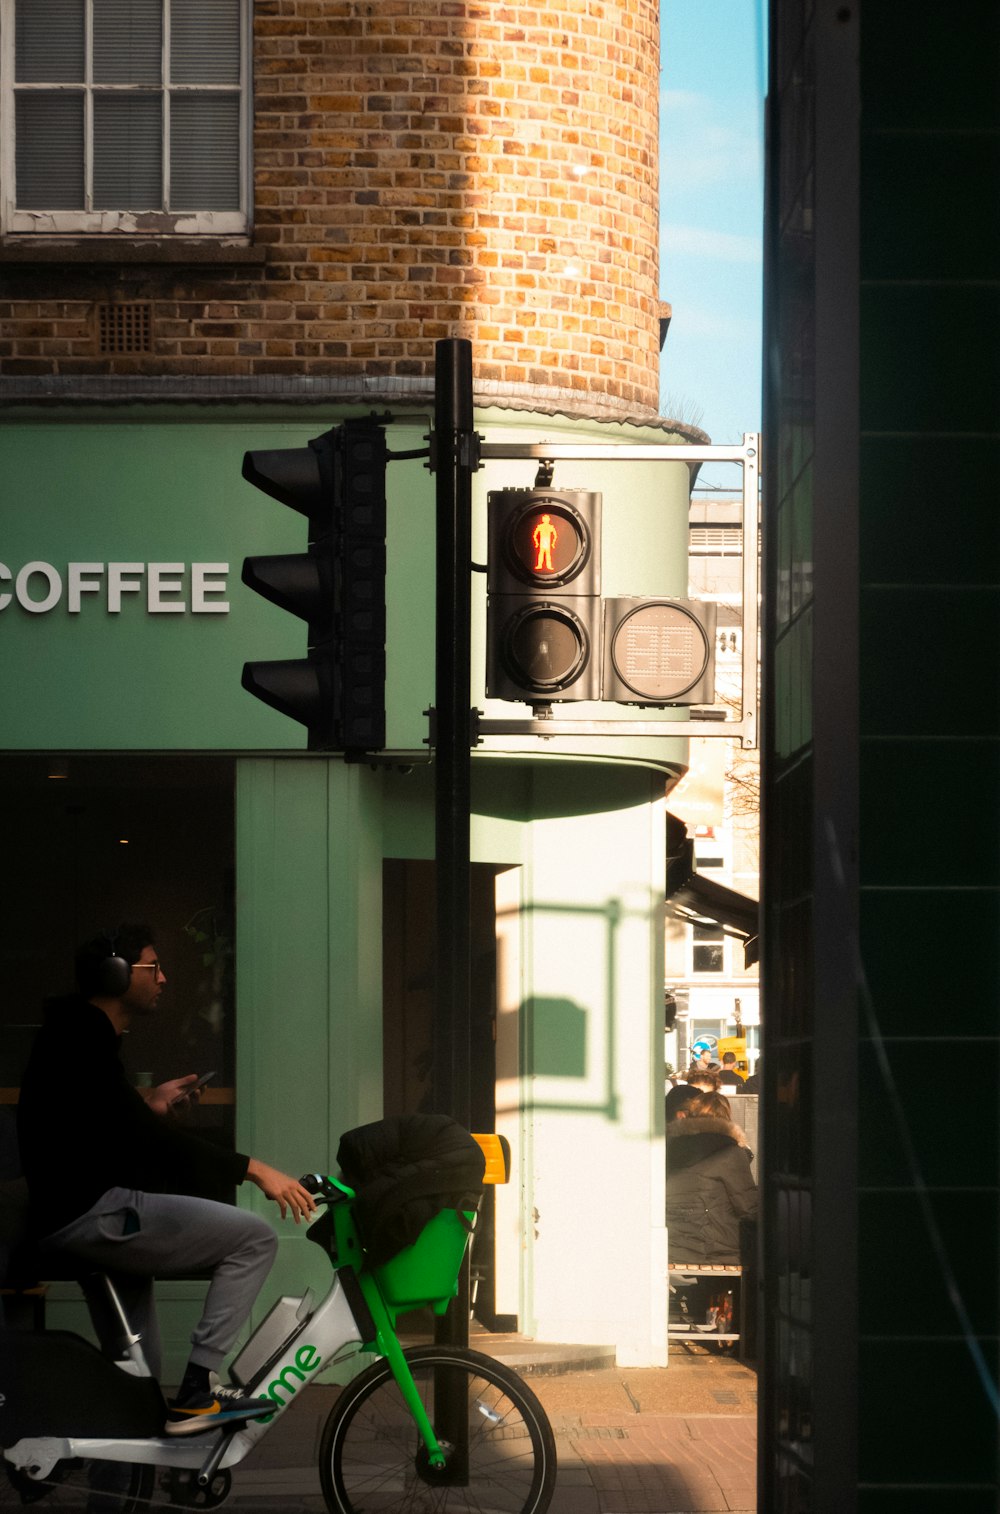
[{"x": 195, "y": 1413}]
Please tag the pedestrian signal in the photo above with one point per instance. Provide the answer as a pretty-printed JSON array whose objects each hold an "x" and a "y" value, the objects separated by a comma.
[{"x": 544, "y": 583}]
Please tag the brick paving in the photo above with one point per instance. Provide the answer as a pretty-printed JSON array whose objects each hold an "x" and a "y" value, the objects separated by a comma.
[
  {"x": 679, "y": 1440},
  {"x": 647, "y": 1441},
  {"x": 668, "y": 1465}
]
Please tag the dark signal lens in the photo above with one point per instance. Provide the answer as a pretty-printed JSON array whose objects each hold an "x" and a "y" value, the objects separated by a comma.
[{"x": 546, "y": 648}]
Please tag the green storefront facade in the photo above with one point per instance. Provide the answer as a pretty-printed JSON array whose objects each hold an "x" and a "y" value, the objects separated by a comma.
[{"x": 292, "y": 889}]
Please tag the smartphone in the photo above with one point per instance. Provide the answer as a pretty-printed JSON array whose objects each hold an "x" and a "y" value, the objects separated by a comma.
[{"x": 181, "y": 1101}]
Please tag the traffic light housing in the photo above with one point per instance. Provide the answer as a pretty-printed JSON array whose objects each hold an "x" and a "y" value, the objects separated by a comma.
[
  {"x": 337, "y": 691},
  {"x": 543, "y": 619}
]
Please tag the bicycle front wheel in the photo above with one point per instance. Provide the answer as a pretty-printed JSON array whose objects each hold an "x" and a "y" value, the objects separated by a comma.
[{"x": 499, "y": 1447}]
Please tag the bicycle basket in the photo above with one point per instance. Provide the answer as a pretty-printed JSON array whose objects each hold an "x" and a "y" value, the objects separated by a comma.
[
  {"x": 405, "y": 1170},
  {"x": 426, "y": 1273}
]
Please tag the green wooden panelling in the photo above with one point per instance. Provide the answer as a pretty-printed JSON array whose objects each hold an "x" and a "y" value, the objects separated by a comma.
[{"x": 308, "y": 941}]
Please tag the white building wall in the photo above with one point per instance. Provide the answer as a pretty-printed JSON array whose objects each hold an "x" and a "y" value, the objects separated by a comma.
[{"x": 592, "y": 1075}]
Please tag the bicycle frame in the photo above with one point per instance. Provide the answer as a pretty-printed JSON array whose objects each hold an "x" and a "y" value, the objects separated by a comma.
[{"x": 333, "y": 1336}]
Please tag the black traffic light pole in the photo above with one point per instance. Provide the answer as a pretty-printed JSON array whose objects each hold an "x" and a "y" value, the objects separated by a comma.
[{"x": 454, "y": 463}]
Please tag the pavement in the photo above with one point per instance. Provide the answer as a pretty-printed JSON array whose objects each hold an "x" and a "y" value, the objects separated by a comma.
[{"x": 675, "y": 1440}]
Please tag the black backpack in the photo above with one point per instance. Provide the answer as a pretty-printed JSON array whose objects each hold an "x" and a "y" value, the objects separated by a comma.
[{"x": 405, "y": 1170}]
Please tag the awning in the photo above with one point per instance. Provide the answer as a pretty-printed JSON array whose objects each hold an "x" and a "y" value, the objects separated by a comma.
[
  {"x": 693, "y": 897},
  {"x": 701, "y": 899}
]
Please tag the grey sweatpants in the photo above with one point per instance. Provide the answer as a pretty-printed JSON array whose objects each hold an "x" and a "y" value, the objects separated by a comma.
[{"x": 135, "y": 1237}]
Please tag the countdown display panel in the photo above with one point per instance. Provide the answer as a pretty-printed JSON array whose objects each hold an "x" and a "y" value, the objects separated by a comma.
[{"x": 658, "y": 652}]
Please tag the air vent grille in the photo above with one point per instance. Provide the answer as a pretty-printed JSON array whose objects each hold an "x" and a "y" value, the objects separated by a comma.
[{"x": 125, "y": 327}]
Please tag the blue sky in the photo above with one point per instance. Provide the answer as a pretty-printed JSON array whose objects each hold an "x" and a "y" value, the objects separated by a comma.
[{"x": 711, "y": 198}]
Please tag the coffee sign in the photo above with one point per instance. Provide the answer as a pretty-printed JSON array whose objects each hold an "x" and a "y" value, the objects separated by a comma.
[{"x": 165, "y": 588}]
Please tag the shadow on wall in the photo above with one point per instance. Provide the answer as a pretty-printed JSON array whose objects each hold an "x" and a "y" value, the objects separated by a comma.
[
  {"x": 558, "y": 1046},
  {"x": 553, "y": 1035},
  {"x": 554, "y": 1031}
]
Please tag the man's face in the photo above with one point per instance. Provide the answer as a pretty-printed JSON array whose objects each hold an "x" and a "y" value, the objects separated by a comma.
[{"x": 146, "y": 984}]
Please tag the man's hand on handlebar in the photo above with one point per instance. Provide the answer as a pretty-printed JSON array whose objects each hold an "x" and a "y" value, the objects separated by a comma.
[{"x": 287, "y": 1192}]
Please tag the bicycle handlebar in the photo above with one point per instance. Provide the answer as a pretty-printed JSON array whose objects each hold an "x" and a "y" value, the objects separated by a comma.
[{"x": 326, "y": 1189}]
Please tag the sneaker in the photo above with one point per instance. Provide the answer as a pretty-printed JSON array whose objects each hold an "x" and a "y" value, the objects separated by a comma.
[{"x": 219, "y": 1406}]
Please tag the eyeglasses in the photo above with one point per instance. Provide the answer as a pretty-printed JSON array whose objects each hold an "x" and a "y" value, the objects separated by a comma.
[{"x": 154, "y": 965}]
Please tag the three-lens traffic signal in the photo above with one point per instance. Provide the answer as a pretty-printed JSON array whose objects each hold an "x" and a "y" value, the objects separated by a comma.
[{"x": 337, "y": 691}]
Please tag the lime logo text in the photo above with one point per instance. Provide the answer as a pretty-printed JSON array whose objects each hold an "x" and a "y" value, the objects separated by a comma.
[{"x": 307, "y": 1359}]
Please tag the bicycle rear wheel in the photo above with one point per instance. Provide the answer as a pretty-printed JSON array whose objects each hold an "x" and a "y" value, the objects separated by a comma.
[
  {"x": 372, "y": 1459},
  {"x": 80, "y": 1487}
]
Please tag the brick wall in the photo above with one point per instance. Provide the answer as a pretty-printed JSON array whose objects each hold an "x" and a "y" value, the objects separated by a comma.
[{"x": 422, "y": 168}]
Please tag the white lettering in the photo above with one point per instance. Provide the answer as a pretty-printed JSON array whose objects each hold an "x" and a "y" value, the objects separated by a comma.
[
  {"x": 208, "y": 578},
  {"x": 82, "y": 578},
  {"x": 164, "y": 578},
  {"x": 48, "y": 572},
  {"x": 123, "y": 578},
  {"x": 165, "y": 584}
]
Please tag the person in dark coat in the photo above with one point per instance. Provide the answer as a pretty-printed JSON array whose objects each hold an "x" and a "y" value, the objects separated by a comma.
[
  {"x": 710, "y": 1187},
  {"x": 678, "y": 1098}
]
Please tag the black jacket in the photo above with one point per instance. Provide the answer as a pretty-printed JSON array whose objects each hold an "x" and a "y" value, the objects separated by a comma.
[
  {"x": 83, "y": 1129},
  {"x": 710, "y": 1188}
]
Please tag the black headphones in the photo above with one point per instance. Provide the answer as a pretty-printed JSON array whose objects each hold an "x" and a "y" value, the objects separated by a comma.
[{"x": 111, "y": 975}]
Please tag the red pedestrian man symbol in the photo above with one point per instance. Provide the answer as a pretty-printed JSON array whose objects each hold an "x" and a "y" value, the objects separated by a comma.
[{"x": 544, "y": 537}]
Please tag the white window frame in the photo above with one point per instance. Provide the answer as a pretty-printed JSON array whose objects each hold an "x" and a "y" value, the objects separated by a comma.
[{"x": 132, "y": 223}]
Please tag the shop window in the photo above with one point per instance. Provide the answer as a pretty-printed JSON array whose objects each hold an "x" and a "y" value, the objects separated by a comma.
[
  {"x": 126, "y": 116},
  {"x": 708, "y": 949},
  {"x": 93, "y": 841}
]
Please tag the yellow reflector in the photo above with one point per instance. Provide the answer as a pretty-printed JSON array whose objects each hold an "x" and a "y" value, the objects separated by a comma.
[{"x": 496, "y": 1150}]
